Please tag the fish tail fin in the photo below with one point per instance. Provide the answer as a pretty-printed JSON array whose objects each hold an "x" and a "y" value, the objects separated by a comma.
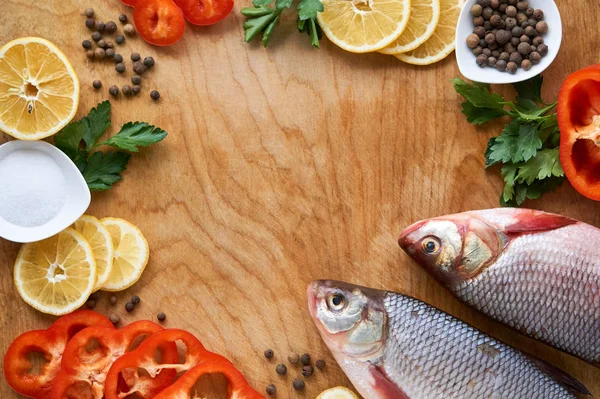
[{"x": 562, "y": 377}]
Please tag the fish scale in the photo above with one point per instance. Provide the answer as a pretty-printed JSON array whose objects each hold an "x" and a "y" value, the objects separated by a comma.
[
  {"x": 548, "y": 286},
  {"x": 460, "y": 362}
]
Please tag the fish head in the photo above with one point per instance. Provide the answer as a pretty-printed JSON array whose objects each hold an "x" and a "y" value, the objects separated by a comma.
[
  {"x": 351, "y": 319},
  {"x": 453, "y": 248}
]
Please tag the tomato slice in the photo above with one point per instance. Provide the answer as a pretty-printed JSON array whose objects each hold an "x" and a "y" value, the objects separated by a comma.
[
  {"x": 205, "y": 12},
  {"x": 130, "y": 3},
  {"x": 50, "y": 343},
  {"x": 89, "y": 355},
  {"x": 159, "y": 22}
]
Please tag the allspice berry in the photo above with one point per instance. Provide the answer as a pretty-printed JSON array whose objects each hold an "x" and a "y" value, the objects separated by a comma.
[
  {"x": 504, "y": 56},
  {"x": 496, "y": 21},
  {"x": 123, "y": 18},
  {"x": 472, "y": 40},
  {"x": 502, "y": 36},
  {"x": 101, "y": 43},
  {"x": 99, "y": 53},
  {"x": 155, "y": 95},
  {"x": 129, "y": 29},
  {"x": 490, "y": 38},
  {"x": 89, "y": 12},
  {"x": 478, "y": 21},
  {"x": 139, "y": 67},
  {"x": 542, "y": 49},
  {"x": 526, "y": 65},
  {"x": 114, "y": 91},
  {"x": 90, "y": 23},
  {"x": 492, "y": 61},
  {"x": 524, "y": 48},
  {"x": 512, "y": 67},
  {"x": 535, "y": 57},
  {"x": 96, "y": 36},
  {"x": 126, "y": 89},
  {"x": 541, "y": 27},
  {"x": 100, "y": 26},
  {"x": 511, "y": 11},
  {"x": 120, "y": 67},
  {"x": 476, "y": 10},
  {"x": 136, "y": 79},
  {"x": 482, "y": 60},
  {"x": 522, "y": 5},
  {"x": 537, "y": 41},
  {"x": 538, "y": 14},
  {"x": 501, "y": 65},
  {"x": 136, "y": 90},
  {"x": 477, "y": 50},
  {"x": 86, "y": 44},
  {"x": 110, "y": 52},
  {"x": 120, "y": 39},
  {"x": 479, "y": 31},
  {"x": 516, "y": 58},
  {"x": 110, "y": 27},
  {"x": 90, "y": 54},
  {"x": 530, "y": 31},
  {"x": 487, "y": 13},
  {"x": 97, "y": 84}
]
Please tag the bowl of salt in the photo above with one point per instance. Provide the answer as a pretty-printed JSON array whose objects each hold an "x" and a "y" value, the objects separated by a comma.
[{"x": 41, "y": 191}]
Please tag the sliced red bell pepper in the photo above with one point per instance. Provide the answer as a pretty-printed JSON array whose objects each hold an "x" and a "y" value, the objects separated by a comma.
[
  {"x": 144, "y": 358},
  {"x": 579, "y": 124},
  {"x": 90, "y": 353},
  {"x": 50, "y": 343},
  {"x": 237, "y": 388}
]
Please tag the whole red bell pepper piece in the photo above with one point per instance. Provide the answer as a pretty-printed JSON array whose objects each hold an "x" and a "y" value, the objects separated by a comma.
[
  {"x": 144, "y": 358},
  {"x": 90, "y": 353},
  {"x": 579, "y": 124},
  {"x": 50, "y": 344}
]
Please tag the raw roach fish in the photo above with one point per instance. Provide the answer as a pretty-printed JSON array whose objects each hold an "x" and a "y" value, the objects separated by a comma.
[
  {"x": 534, "y": 271},
  {"x": 395, "y": 347}
]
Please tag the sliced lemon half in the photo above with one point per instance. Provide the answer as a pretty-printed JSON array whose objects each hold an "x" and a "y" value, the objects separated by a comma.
[
  {"x": 39, "y": 90},
  {"x": 337, "y": 393},
  {"x": 56, "y": 275},
  {"x": 131, "y": 254},
  {"x": 101, "y": 243},
  {"x": 362, "y": 26},
  {"x": 424, "y": 18},
  {"x": 441, "y": 43}
]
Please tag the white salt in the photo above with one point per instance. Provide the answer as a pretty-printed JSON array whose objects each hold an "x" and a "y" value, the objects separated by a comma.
[{"x": 32, "y": 188}]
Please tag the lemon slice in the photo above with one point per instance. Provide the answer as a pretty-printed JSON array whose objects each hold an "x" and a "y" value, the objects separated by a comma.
[
  {"x": 337, "y": 393},
  {"x": 130, "y": 255},
  {"x": 56, "y": 275},
  {"x": 39, "y": 90},
  {"x": 424, "y": 17},
  {"x": 441, "y": 43},
  {"x": 361, "y": 26},
  {"x": 101, "y": 243}
]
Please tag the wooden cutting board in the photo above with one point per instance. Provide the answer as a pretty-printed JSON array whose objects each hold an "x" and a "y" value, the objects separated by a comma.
[{"x": 283, "y": 166}]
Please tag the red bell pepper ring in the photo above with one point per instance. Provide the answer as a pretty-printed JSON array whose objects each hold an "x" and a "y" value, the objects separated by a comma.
[
  {"x": 50, "y": 344},
  {"x": 90, "y": 353},
  {"x": 144, "y": 358},
  {"x": 237, "y": 388},
  {"x": 579, "y": 124}
]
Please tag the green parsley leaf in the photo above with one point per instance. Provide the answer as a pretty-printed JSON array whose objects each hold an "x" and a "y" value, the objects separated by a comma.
[
  {"x": 281, "y": 4},
  {"x": 98, "y": 121},
  {"x": 478, "y": 116},
  {"x": 518, "y": 142},
  {"x": 308, "y": 9},
  {"x": 104, "y": 169},
  {"x": 545, "y": 164},
  {"x": 254, "y": 25},
  {"x": 134, "y": 135},
  {"x": 479, "y": 95},
  {"x": 530, "y": 89},
  {"x": 269, "y": 31},
  {"x": 261, "y": 3},
  {"x": 69, "y": 138}
]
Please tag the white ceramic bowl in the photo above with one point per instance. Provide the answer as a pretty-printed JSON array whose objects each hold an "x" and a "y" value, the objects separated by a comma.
[
  {"x": 466, "y": 59},
  {"x": 78, "y": 195}
]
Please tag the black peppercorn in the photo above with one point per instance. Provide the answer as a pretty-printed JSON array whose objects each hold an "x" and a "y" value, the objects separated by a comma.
[
  {"x": 96, "y": 36},
  {"x": 136, "y": 79},
  {"x": 110, "y": 27},
  {"x": 120, "y": 39},
  {"x": 90, "y": 23},
  {"x": 281, "y": 369},
  {"x": 120, "y": 67},
  {"x": 298, "y": 384},
  {"x": 320, "y": 364},
  {"x": 307, "y": 371},
  {"x": 305, "y": 359},
  {"x": 134, "y": 299},
  {"x": 86, "y": 44},
  {"x": 271, "y": 389},
  {"x": 118, "y": 58},
  {"x": 161, "y": 316},
  {"x": 89, "y": 12},
  {"x": 269, "y": 353},
  {"x": 97, "y": 84},
  {"x": 149, "y": 62},
  {"x": 123, "y": 18},
  {"x": 155, "y": 95},
  {"x": 128, "y": 306}
]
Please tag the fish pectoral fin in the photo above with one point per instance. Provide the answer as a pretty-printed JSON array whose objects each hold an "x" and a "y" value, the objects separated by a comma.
[
  {"x": 560, "y": 376},
  {"x": 529, "y": 220},
  {"x": 384, "y": 386}
]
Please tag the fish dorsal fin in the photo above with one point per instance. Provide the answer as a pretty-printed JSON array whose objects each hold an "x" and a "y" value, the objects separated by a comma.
[
  {"x": 560, "y": 376},
  {"x": 529, "y": 221},
  {"x": 383, "y": 386}
]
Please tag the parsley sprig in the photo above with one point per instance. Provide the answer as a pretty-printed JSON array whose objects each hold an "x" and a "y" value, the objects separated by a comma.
[
  {"x": 528, "y": 148},
  {"x": 262, "y": 19},
  {"x": 103, "y": 169}
]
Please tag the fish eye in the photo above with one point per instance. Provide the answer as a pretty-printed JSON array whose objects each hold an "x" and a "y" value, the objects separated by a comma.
[
  {"x": 336, "y": 302},
  {"x": 430, "y": 245}
]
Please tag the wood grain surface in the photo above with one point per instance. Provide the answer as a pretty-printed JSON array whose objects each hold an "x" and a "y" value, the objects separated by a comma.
[{"x": 283, "y": 166}]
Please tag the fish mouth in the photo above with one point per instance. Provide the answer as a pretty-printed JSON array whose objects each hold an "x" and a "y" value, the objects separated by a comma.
[{"x": 404, "y": 240}]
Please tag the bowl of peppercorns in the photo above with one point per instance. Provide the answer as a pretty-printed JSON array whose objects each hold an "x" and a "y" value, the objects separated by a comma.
[{"x": 507, "y": 41}]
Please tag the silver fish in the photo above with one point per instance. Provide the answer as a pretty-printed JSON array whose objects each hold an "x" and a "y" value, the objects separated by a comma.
[
  {"x": 392, "y": 346},
  {"x": 534, "y": 271}
]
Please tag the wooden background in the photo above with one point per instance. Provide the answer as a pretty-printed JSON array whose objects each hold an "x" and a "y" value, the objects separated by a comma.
[{"x": 283, "y": 166}]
